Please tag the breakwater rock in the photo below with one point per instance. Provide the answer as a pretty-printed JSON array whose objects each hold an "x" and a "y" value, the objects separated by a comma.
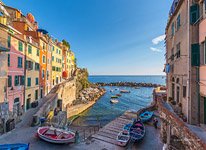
[{"x": 128, "y": 84}]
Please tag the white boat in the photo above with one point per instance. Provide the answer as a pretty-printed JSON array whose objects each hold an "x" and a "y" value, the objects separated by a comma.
[
  {"x": 55, "y": 135},
  {"x": 124, "y": 91},
  {"x": 123, "y": 138},
  {"x": 114, "y": 101}
]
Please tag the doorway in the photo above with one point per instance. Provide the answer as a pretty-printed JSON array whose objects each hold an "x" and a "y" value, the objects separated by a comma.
[
  {"x": 28, "y": 103},
  {"x": 41, "y": 93}
]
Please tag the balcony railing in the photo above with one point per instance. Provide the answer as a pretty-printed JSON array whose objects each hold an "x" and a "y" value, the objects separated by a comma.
[{"x": 4, "y": 45}]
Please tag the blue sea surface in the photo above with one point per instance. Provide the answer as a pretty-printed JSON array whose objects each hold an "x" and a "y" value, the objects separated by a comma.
[
  {"x": 102, "y": 112},
  {"x": 155, "y": 79}
]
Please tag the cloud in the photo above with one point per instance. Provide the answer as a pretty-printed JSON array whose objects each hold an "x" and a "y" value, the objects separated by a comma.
[
  {"x": 158, "y": 39},
  {"x": 155, "y": 49}
]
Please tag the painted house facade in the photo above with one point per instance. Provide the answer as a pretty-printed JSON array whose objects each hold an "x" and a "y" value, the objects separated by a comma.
[
  {"x": 202, "y": 42},
  {"x": 16, "y": 74},
  {"x": 56, "y": 63},
  {"x": 32, "y": 72},
  {"x": 182, "y": 59}
]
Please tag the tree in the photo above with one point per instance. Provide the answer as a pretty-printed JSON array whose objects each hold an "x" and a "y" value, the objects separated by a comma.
[{"x": 66, "y": 43}]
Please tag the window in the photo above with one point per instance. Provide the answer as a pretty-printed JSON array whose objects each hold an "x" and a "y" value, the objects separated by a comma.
[
  {"x": 178, "y": 50},
  {"x": 195, "y": 56},
  {"x": 52, "y": 58},
  {"x": 37, "y": 52},
  {"x": 16, "y": 80},
  {"x": 178, "y": 22},
  {"x": 53, "y": 48},
  {"x": 44, "y": 46},
  {"x": 36, "y": 66},
  {"x": 29, "y": 65},
  {"x": 42, "y": 73},
  {"x": 20, "y": 46},
  {"x": 8, "y": 59},
  {"x": 44, "y": 59},
  {"x": 19, "y": 62},
  {"x": 9, "y": 41},
  {"x": 47, "y": 75},
  {"x": 29, "y": 82},
  {"x": 36, "y": 94},
  {"x": 29, "y": 49},
  {"x": 57, "y": 51},
  {"x": 184, "y": 91},
  {"x": 173, "y": 29},
  {"x": 37, "y": 81},
  {"x": 9, "y": 81},
  {"x": 194, "y": 14},
  {"x": 21, "y": 80},
  {"x": 53, "y": 68}
]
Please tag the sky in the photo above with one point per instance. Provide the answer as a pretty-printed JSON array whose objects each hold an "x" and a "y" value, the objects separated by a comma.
[{"x": 109, "y": 37}]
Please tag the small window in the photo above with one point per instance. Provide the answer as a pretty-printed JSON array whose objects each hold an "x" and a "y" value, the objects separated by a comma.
[
  {"x": 178, "y": 50},
  {"x": 184, "y": 91},
  {"x": 42, "y": 73},
  {"x": 20, "y": 46},
  {"x": 37, "y": 81},
  {"x": 52, "y": 58},
  {"x": 20, "y": 62},
  {"x": 29, "y": 49},
  {"x": 21, "y": 80},
  {"x": 29, "y": 82},
  {"x": 36, "y": 66},
  {"x": 44, "y": 59},
  {"x": 16, "y": 80},
  {"x": 173, "y": 29},
  {"x": 9, "y": 81},
  {"x": 57, "y": 51},
  {"x": 9, "y": 60},
  {"x": 9, "y": 41},
  {"x": 37, "y": 52},
  {"x": 178, "y": 22}
]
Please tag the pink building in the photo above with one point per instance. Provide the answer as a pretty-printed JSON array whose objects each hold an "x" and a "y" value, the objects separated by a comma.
[
  {"x": 16, "y": 73},
  {"x": 202, "y": 82}
]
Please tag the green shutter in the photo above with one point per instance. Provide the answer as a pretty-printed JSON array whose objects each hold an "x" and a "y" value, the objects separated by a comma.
[
  {"x": 9, "y": 81},
  {"x": 194, "y": 13},
  {"x": 9, "y": 41},
  {"x": 8, "y": 59},
  {"x": 37, "y": 52},
  {"x": 28, "y": 82},
  {"x": 16, "y": 80},
  {"x": 195, "y": 55},
  {"x": 29, "y": 49},
  {"x": 20, "y": 46}
]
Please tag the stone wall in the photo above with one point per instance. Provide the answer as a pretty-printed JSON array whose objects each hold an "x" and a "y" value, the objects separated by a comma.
[{"x": 175, "y": 132}]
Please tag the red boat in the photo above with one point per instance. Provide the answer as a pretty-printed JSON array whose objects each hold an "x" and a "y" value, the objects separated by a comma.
[{"x": 54, "y": 135}]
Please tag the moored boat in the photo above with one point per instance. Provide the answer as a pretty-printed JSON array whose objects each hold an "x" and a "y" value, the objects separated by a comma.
[
  {"x": 55, "y": 135},
  {"x": 124, "y": 91},
  {"x": 114, "y": 101},
  {"x": 18, "y": 146},
  {"x": 127, "y": 126},
  {"x": 146, "y": 116},
  {"x": 123, "y": 138},
  {"x": 114, "y": 96},
  {"x": 118, "y": 95},
  {"x": 137, "y": 131}
]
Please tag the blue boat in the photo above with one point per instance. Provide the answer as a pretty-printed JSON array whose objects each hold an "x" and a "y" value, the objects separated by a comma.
[
  {"x": 18, "y": 146},
  {"x": 146, "y": 116},
  {"x": 137, "y": 131},
  {"x": 127, "y": 126}
]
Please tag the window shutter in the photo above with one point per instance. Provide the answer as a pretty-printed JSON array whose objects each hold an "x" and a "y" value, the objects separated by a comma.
[
  {"x": 194, "y": 13},
  {"x": 195, "y": 54}
]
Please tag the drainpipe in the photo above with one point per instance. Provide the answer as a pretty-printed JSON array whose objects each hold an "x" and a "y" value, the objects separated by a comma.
[
  {"x": 188, "y": 66},
  {"x": 25, "y": 76}
]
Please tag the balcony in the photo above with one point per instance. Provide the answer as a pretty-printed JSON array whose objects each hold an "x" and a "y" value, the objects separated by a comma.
[{"x": 4, "y": 45}]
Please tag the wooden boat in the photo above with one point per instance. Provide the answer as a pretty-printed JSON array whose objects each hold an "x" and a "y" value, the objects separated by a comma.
[
  {"x": 127, "y": 126},
  {"x": 124, "y": 91},
  {"x": 123, "y": 138},
  {"x": 146, "y": 116},
  {"x": 114, "y": 96},
  {"x": 54, "y": 135},
  {"x": 118, "y": 95},
  {"x": 18, "y": 146},
  {"x": 114, "y": 101},
  {"x": 137, "y": 131}
]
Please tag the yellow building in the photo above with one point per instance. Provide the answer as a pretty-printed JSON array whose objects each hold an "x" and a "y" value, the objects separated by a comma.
[
  {"x": 56, "y": 63},
  {"x": 32, "y": 72}
]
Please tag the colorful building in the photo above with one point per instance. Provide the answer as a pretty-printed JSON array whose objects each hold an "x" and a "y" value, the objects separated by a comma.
[
  {"x": 182, "y": 58},
  {"x": 16, "y": 71},
  {"x": 202, "y": 82},
  {"x": 56, "y": 62},
  {"x": 32, "y": 72},
  {"x": 4, "y": 49},
  {"x": 49, "y": 67}
]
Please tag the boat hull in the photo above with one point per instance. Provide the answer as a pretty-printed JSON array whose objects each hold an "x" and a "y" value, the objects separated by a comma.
[
  {"x": 137, "y": 131},
  {"x": 56, "y": 140},
  {"x": 14, "y": 146},
  {"x": 146, "y": 116}
]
